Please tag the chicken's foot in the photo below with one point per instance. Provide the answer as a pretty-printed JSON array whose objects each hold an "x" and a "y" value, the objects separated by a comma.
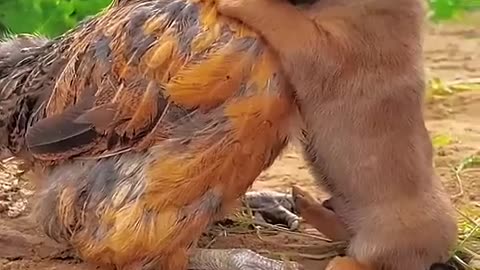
[
  {"x": 272, "y": 207},
  {"x": 236, "y": 259}
]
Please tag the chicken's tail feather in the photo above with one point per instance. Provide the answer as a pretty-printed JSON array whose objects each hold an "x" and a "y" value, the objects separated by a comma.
[{"x": 23, "y": 89}]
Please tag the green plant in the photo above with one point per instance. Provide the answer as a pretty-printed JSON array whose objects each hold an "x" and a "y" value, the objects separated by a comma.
[
  {"x": 447, "y": 9},
  {"x": 468, "y": 246},
  {"x": 46, "y": 17}
]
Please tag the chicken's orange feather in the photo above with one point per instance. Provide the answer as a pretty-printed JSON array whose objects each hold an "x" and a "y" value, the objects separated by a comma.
[{"x": 210, "y": 82}]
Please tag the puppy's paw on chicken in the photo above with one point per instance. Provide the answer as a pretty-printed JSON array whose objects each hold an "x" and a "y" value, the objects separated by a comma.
[{"x": 232, "y": 7}]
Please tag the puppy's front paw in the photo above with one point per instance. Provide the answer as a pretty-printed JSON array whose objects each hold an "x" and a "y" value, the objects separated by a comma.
[
  {"x": 303, "y": 200},
  {"x": 232, "y": 8}
]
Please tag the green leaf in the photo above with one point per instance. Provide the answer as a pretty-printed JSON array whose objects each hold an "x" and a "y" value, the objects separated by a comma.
[
  {"x": 47, "y": 17},
  {"x": 448, "y": 9}
]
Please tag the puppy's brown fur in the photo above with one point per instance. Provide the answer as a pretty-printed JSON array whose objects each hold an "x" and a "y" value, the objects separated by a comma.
[{"x": 357, "y": 70}]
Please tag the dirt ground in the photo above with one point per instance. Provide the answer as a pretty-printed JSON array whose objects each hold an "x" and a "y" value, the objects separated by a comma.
[{"x": 452, "y": 52}]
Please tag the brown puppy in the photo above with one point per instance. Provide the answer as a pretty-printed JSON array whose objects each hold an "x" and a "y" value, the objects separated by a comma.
[{"x": 357, "y": 70}]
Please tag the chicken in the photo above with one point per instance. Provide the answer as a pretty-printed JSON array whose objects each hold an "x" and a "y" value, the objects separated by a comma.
[{"x": 144, "y": 125}]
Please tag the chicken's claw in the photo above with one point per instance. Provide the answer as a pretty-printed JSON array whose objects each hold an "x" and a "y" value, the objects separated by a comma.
[
  {"x": 236, "y": 259},
  {"x": 273, "y": 207}
]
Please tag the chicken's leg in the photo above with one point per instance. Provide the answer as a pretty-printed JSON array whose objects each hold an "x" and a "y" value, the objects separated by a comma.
[
  {"x": 273, "y": 207},
  {"x": 286, "y": 209},
  {"x": 276, "y": 208},
  {"x": 236, "y": 259}
]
